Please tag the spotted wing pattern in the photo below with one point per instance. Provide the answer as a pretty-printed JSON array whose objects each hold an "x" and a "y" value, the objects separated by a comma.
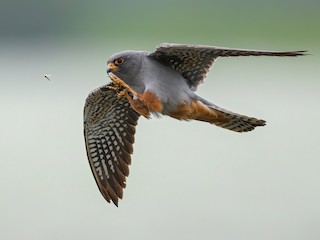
[
  {"x": 109, "y": 128},
  {"x": 194, "y": 61}
]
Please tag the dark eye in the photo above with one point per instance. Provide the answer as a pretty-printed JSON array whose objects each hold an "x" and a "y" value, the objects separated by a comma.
[{"x": 119, "y": 61}]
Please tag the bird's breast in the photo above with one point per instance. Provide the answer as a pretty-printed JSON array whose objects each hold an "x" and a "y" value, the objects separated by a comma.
[{"x": 167, "y": 84}]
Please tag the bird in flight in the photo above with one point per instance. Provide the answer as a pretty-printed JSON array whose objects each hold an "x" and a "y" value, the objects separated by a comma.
[{"x": 162, "y": 82}]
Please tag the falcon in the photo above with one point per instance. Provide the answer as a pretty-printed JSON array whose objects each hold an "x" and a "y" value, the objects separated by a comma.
[{"x": 159, "y": 83}]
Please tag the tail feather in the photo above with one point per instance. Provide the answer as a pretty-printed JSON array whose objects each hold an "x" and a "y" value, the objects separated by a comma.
[
  {"x": 239, "y": 123},
  {"x": 236, "y": 122},
  {"x": 202, "y": 110}
]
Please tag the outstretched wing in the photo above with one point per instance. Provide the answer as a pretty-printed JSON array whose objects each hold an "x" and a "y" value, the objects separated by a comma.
[
  {"x": 194, "y": 61},
  {"x": 109, "y": 128}
]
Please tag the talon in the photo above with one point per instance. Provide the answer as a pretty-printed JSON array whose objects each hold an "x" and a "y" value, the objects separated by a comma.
[
  {"x": 123, "y": 93},
  {"x": 117, "y": 81},
  {"x": 113, "y": 88},
  {"x": 138, "y": 104},
  {"x": 120, "y": 83}
]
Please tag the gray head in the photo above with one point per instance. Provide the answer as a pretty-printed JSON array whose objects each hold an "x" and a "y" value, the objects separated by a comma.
[{"x": 126, "y": 65}]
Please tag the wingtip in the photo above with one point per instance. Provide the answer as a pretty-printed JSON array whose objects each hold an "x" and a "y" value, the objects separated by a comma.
[
  {"x": 301, "y": 53},
  {"x": 294, "y": 53},
  {"x": 114, "y": 202},
  {"x": 305, "y": 53}
]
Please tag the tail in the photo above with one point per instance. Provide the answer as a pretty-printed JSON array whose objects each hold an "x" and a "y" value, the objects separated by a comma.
[
  {"x": 201, "y": 110},
  {"x": 236, "y": 122},
  {"x": 229, "y": 120}
]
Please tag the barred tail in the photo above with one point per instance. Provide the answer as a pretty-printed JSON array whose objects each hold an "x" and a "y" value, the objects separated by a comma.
[
  {"x": 236, "y": 122},
  {"x": 201, "y": 110}
]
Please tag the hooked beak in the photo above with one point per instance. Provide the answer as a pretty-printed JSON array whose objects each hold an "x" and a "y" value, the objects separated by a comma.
[{"x": 111, "y": 67}]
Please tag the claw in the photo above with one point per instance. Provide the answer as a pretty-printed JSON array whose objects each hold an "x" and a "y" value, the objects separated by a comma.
[
  {"x": 138, "y": 104},
  {"x": 120, "y": 83},
  {"x": 123, "y": 93},
  {"x": 117, "y": 89}
]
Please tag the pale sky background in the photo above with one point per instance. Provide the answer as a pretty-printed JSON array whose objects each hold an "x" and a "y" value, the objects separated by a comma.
[{"x": 188, "y": 180}]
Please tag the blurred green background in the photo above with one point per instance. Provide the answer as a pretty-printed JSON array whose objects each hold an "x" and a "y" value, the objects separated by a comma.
[{"x": 188, "y": 180}]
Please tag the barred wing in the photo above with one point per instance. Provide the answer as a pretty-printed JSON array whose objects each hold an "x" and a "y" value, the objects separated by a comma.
[
  {"x": 194, "y": 61},
  {"x": 109, "y": 128}
]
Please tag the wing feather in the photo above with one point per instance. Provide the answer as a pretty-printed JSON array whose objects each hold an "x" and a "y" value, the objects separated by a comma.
[
  {"x": 109, "y": 128},
  {"x": 194, "y": 61}
]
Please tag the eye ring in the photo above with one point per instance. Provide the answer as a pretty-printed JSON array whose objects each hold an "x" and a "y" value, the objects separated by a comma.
[{"x": 119, "y": 61}]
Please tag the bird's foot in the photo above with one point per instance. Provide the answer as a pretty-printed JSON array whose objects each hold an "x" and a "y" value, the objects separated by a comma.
[
  {"x": 115, "y": 88},
  {"x": 124, "y": 90},
  {"x": 124, "y": 93},
  {"x": 119, "y": 84}
]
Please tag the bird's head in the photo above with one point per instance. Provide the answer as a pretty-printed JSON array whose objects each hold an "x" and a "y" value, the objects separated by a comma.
[{"x": 126, "y": 65}]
